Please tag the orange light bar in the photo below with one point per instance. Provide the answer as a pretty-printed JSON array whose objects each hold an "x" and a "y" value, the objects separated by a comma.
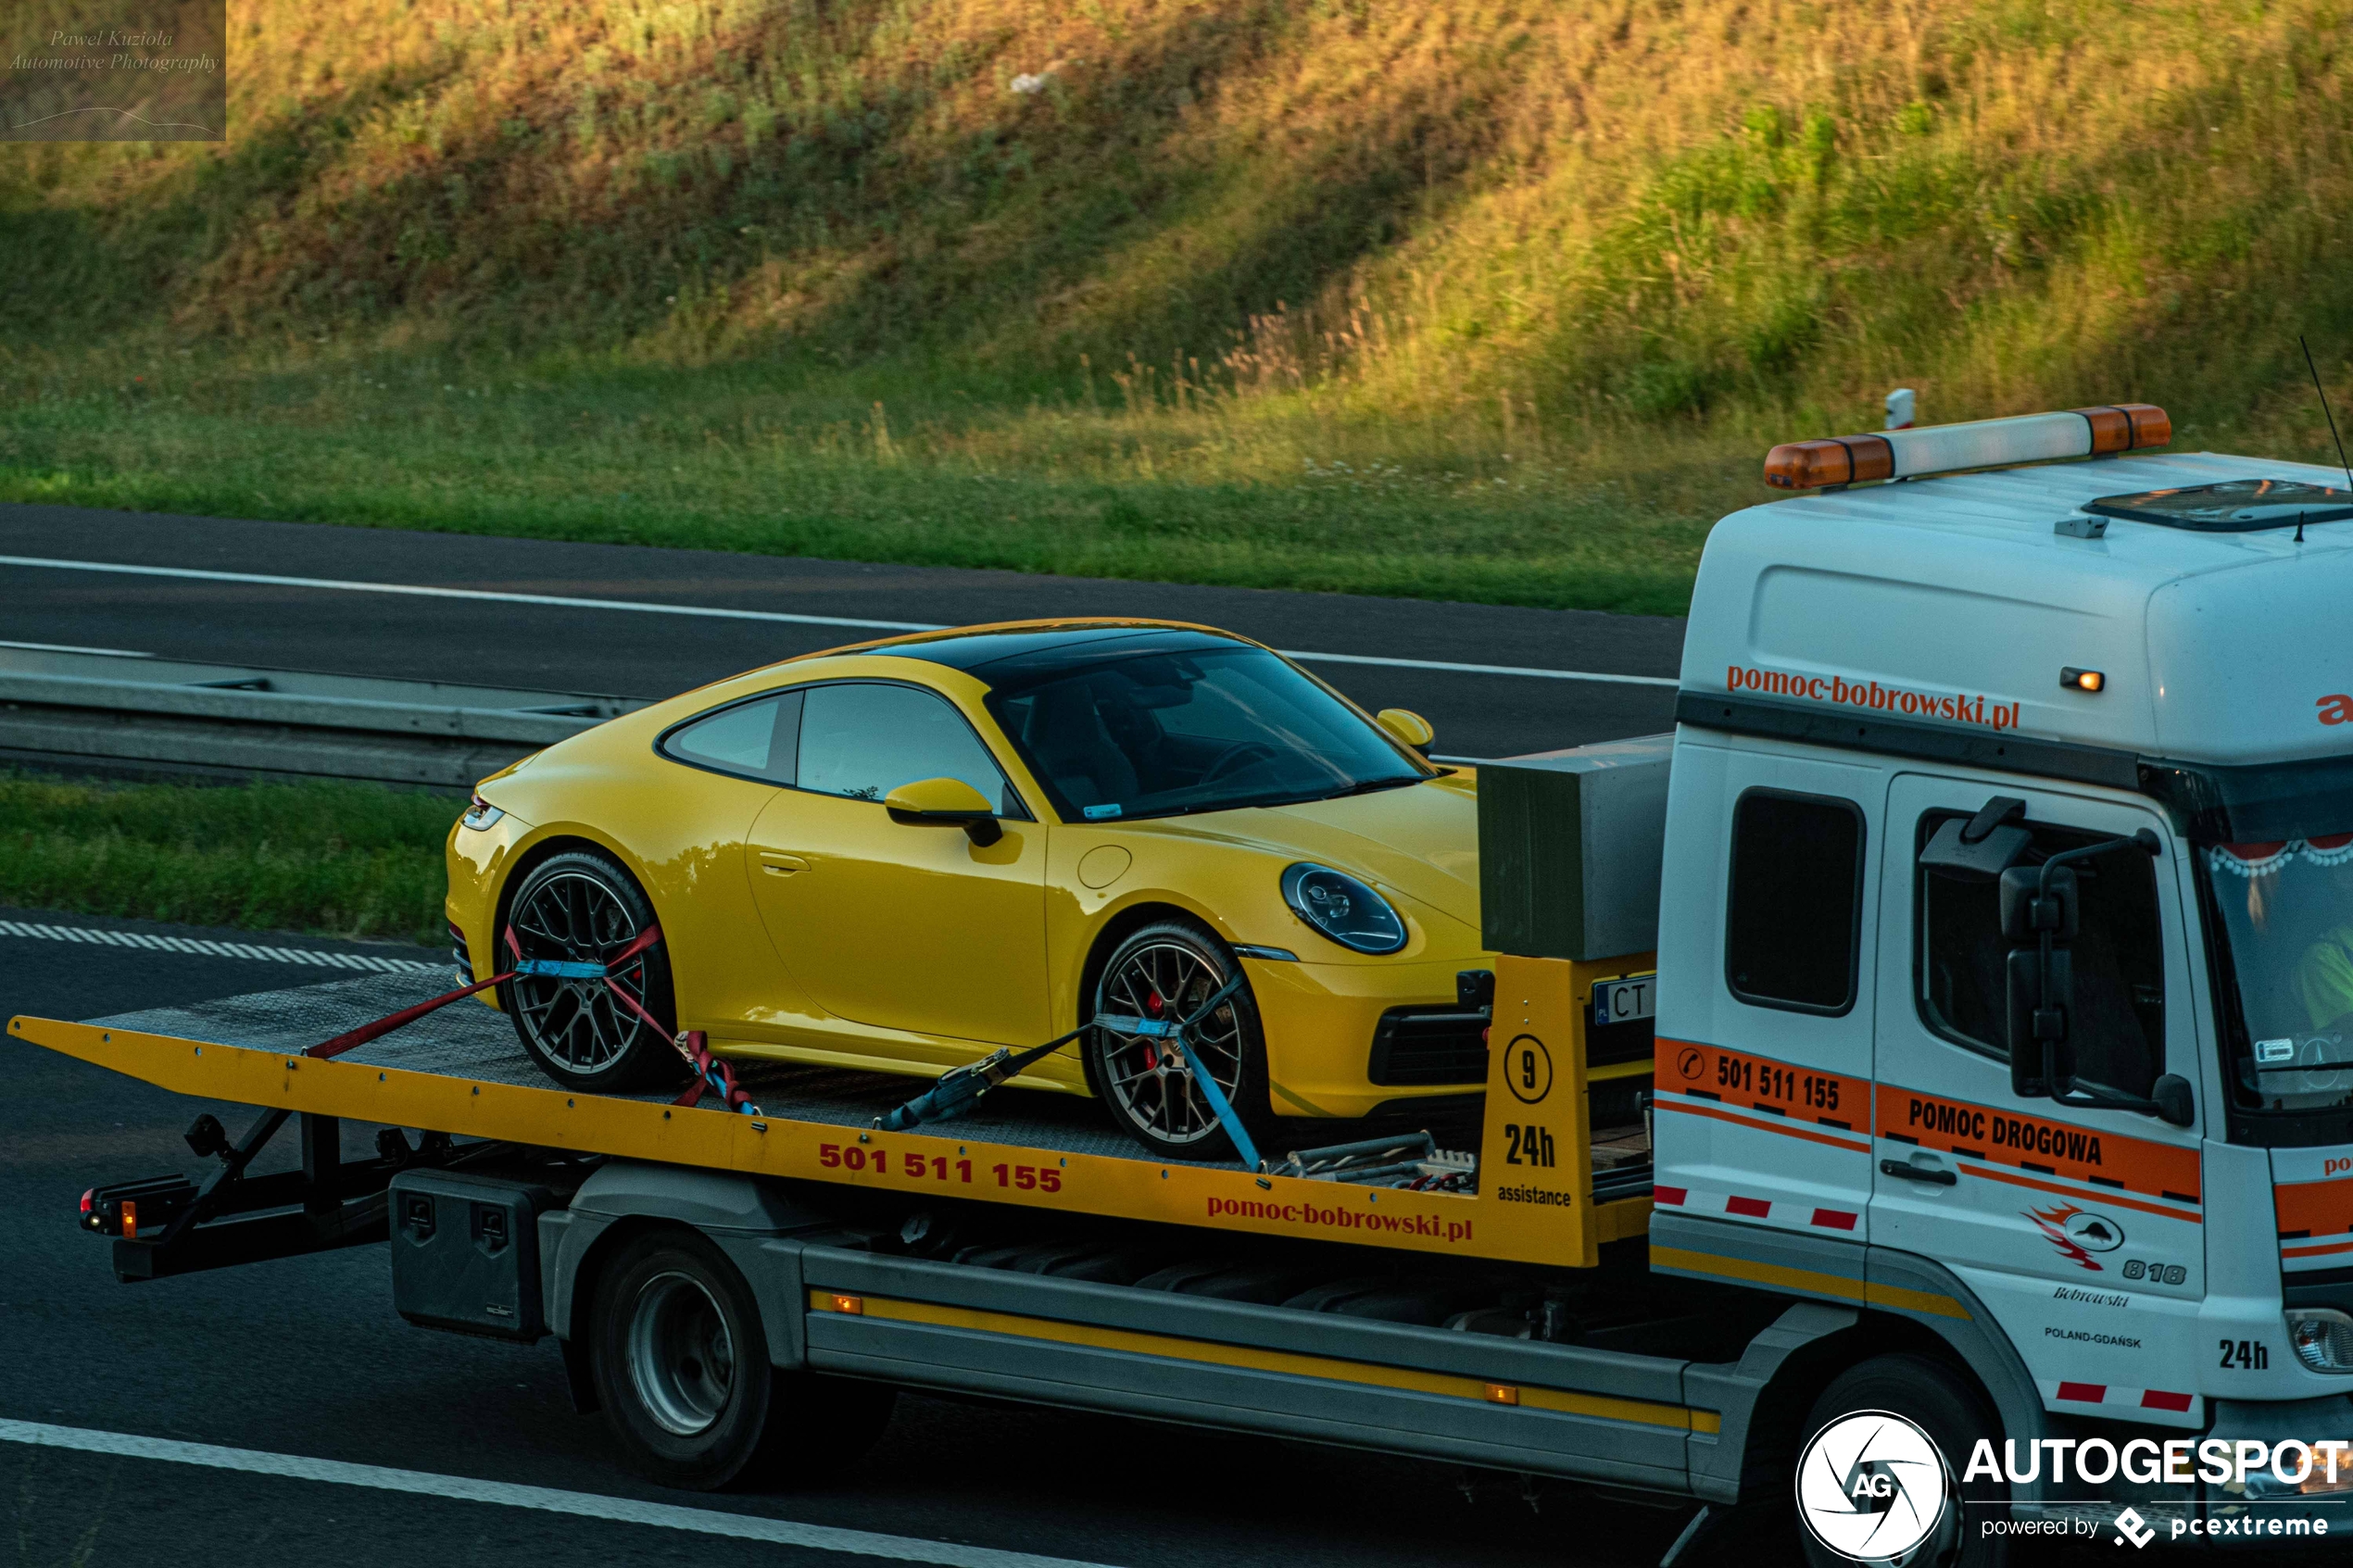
[
  {"x": 1502, "y": 1394},
  {"x": 853, "y": 1305},
  {"x": 1980, "y": 444},
  {"x": 1842, "y": 459}
]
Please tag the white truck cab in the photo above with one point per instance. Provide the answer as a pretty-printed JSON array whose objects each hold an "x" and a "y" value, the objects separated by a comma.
[{"x": 2090, "y": 1130}]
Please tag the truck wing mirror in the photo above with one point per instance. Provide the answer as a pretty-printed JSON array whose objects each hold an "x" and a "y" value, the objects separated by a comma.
[
  {"x": 1981, "y": 848},
  {"x": 2032, "y": 905},
  {"x": 2041, "y": 998}
]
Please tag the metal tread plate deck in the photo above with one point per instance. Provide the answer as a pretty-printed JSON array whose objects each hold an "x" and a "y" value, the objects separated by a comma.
[
  {"x": 470, "y": 1040},
  {"x": 462, "y": 1072}
]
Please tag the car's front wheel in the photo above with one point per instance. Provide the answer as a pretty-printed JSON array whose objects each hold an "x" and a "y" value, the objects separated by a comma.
[
  {"x": 580, "y": 907},
  {"x": 1163, "y": 974}
]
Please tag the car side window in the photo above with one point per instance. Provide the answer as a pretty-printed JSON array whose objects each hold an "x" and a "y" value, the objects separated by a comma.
[
  {"x": 863, "y": 739},
  {"x": 758, "y": 738},
  {"x": 2117, "y": 1024},
  {"x": 1792, "y": 914}
]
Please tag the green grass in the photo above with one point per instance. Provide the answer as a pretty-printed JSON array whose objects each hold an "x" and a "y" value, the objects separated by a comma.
[
  {"x": 1471, "y": 298},
  {"x": 339, "y": 859}
]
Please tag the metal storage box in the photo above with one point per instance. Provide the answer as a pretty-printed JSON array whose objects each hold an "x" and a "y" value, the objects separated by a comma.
[
  {"x": 1571, "y": 846},
  {"x": 465, "y": 1253}
]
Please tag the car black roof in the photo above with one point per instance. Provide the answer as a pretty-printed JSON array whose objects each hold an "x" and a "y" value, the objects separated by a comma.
[{"x": 1023, "y": 656}]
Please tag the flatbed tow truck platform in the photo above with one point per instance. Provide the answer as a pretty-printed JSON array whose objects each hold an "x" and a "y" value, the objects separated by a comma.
[{"x": 1024, "y": 1251}]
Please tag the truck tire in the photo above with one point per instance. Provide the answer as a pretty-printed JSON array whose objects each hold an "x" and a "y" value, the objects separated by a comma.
[
  {"x": 1946, "y": 1405},
  {"x": 579, "y": 906},
  {"x": 1164, "y": 972},
  {"x": 681, "y": 1368}
]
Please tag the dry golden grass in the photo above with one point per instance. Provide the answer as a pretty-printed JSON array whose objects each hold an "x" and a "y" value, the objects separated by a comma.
[{"x": 1223, "y": 254}]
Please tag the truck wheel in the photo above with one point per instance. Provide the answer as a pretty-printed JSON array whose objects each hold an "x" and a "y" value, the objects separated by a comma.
[
  {"x": 681, "y": 1368},
  {"x": 1948, "y": 1407},
  {"x": 580, "y": 907},
  {"x": 1162, "y": 973}
]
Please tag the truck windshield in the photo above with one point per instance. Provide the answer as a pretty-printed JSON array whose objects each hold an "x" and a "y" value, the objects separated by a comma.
[
  {"x": 2287, "y": 915},
  {"x": 1200, "y": 729}
]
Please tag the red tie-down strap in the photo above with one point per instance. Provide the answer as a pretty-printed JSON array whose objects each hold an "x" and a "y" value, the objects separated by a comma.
[
  {"x": 709, "y": 1071},
  {"x": 406, "y": 1015}
]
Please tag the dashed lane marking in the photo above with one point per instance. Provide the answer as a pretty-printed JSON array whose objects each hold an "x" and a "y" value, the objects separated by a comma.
[{"x": 204, "y": 947}]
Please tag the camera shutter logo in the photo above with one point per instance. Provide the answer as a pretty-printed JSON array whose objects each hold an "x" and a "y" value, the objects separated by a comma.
[{"x": 1871, "y": 1486}]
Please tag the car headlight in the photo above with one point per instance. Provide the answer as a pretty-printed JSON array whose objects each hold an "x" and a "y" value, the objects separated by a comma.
[
  {"x": 480, "y": 815},
  {"x": 2322, "y": 1338},
  {"x": 1344, "y": 909}
]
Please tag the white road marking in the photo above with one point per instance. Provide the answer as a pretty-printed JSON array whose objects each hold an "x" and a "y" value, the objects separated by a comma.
[
  {"x": 641, "y": 606},
  {"x": 69, "y": 647},
  {"x": 211, "y": 949},
  {"x": 507, "y": 1494},
  {"x": 1485, "y": 669}
]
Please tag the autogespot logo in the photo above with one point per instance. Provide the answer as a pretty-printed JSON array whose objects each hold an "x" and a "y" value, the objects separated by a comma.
[{"x": 1871, "y": 1486}]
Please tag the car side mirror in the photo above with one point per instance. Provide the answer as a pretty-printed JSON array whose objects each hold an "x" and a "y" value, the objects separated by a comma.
[
  {"x": 948, "y": 802},
  {"x": 1406, "y": 727},
  {"x": 2176, "y": 1102}
]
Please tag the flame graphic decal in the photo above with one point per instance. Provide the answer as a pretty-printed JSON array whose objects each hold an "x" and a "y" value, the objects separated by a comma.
[{"x": 2053, "y": 1222}]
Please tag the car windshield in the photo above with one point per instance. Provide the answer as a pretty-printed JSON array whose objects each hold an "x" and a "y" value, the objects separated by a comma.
[
  {"x": 1199, "y": 730},
  {"x": 2287, "y": 911}
]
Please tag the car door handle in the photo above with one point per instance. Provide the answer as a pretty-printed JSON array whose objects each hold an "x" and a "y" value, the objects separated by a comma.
[
  {"x": 781, "y": 865},
  {"x": 1912, "y": 1173}
]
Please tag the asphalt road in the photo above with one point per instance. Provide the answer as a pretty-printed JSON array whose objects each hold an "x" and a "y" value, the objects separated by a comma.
[
  {"x": 305, "y": 1357},
  {"x": 653, "y": 656}
]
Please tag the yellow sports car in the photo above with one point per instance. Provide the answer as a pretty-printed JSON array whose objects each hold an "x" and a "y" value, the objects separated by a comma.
[{"x": 902, "y": 854}]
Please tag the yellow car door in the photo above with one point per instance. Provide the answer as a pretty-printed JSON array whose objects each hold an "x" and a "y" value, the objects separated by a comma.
[{"x": 903, "y": 927}]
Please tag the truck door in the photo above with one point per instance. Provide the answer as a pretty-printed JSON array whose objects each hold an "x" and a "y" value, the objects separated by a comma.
[
  {"x": 2080, "y": 1229},
  {"x": 1767, "y": 929}
]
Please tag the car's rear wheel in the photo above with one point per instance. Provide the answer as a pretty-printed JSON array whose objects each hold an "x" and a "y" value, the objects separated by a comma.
[
  {"x": 1162, "y": 973},
  {"x": 580, "y": 907}
]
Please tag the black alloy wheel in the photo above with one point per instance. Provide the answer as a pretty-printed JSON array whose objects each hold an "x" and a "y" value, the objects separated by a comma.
[
  {"x": 1163, "y": 974},
  {"x": 580, "y": 907}
]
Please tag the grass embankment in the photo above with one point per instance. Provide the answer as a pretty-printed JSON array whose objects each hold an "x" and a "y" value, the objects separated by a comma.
[
  {"x": 1462, "y": 297},
  {"x": 340, "y": 860}
]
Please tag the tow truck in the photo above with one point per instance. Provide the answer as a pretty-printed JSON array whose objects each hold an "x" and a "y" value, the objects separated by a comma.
[{"x": 1944, "y": 1021}]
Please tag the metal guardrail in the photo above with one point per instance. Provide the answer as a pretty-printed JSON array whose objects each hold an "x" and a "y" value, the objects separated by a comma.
[{"x": 131, "y": 714}]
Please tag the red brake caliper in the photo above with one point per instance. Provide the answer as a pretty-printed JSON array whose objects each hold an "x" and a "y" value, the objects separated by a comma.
[{"x": 1153, "y": 1007}]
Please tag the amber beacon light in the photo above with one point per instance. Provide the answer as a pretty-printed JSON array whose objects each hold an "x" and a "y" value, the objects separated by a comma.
[{"x": 1980, "y": 443}]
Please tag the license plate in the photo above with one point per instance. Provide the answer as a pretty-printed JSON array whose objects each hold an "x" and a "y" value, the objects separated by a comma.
[{"x": 1625, "y": 1001}]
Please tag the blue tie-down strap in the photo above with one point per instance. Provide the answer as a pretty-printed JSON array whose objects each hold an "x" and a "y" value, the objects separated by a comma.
[
  {"x": 559, "y": 969},
  {"x": 959, "y": 1088}
]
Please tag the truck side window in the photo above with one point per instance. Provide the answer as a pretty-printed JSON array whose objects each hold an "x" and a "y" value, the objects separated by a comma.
[
  {"x": 2118, "y": 1026},
  {"x": 1792, "y": 916}
]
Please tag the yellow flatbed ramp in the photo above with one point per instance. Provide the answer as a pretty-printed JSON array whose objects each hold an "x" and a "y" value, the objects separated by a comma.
[{"x": 462, "y": 1072}]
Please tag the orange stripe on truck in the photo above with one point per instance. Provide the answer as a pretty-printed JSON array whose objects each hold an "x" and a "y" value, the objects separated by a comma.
[{"x": 2038, "y": 1144}]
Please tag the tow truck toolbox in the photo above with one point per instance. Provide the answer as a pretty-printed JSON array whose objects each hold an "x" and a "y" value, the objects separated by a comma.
[{"x": 2001, "y": 868}]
